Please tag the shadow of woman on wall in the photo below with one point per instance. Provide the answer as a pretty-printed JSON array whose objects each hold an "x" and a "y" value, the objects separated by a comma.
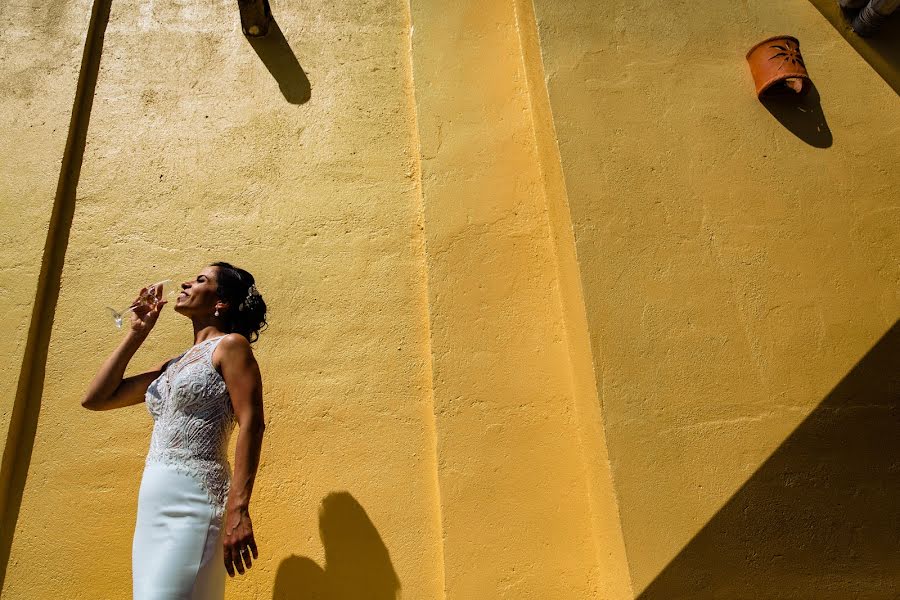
[{"x": 357, "y": 563}]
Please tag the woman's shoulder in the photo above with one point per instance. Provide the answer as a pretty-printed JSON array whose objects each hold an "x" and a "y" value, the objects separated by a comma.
[
  {"x": 232, "y": 347},
  {"x": 234, "y": 342}
]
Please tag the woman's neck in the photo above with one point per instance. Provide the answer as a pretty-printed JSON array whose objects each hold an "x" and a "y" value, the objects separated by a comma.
[{"x": 205, "y": 331}]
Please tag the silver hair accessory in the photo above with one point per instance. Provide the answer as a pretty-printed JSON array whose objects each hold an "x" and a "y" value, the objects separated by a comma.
[{"x": 251, "y": 300}]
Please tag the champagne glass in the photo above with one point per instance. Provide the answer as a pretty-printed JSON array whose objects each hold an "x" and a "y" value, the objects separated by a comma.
[{"x": 147, "y": 298}]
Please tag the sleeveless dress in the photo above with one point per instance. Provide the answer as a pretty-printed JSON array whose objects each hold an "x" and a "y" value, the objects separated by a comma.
[{"x": 177, "y": 546}]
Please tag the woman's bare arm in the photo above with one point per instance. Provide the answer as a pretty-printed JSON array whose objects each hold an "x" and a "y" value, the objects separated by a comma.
[
  {"x": 242, "y": 377},
  {"x": 109, "y": 390}
]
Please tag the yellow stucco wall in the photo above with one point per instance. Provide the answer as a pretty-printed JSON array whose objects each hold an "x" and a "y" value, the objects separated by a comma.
[
  {"x": 514, "y": 482},
  {"x": 734, "y": 274},
  {"x": 37, "y": 92},
  {"x": 41, "y": 46},
  {"x": 194, "y": 154},
  {"x": 558, "y": 308}
]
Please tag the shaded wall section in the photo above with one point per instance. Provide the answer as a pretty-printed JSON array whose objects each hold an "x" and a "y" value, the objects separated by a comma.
[
  {"x": 821, "y": 516},
  {"x": 42, "y": 47},
  {"x": 881, "y": 51},
  {"x": 735, "y": 269}
]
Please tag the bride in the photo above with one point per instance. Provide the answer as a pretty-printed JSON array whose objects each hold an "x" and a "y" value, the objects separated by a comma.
[{"x": 193, "y": 519}]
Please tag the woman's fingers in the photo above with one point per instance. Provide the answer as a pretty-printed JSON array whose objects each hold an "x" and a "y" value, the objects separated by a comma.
[
  {"x": 238, "y": 564},
  {"x": 235, "y": 558},
  {"x": 229, "y": 563},
  {"x": 240, "y": 545},
  {"x": 137, "y": 301},
  {"x": 240, "y": 554}
]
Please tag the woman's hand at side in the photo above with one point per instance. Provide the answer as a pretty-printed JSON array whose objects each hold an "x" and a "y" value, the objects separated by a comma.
[
  {"x": 239, "y": 543},
  {"x": 241, "y": 374}
]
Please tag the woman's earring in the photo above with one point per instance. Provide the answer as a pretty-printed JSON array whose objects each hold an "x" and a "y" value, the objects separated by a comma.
[{"x": 217, "y": 312}]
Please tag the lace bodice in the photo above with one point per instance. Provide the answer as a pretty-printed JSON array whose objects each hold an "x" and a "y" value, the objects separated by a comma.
[{"x": 193, "y": 420}]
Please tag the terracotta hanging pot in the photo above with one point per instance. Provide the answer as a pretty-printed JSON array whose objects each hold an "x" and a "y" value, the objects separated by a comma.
[{"x": 777, "y": 66}]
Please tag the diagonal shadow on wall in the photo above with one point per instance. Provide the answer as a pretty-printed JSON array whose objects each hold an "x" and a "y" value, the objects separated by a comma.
[
  {"x": 27, "y": 404},
  {"x": 821, "y": 517},
  {"x": 357, "y": 563},
  {"x": 881, "y": 51}
]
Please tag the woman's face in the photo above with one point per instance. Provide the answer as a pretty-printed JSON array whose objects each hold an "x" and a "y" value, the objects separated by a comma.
[{"x": 198, "y": 296}]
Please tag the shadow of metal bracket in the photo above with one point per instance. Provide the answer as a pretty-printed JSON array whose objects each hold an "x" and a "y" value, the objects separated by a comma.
[{"x": 280, "y": 60}]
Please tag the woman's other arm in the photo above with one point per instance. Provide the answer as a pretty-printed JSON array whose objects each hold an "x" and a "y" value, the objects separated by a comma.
[
  {"x": 241, "y": 374},
  {"x": 108, "y": 390}
]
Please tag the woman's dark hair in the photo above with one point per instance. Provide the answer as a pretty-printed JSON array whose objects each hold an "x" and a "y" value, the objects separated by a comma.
[{"x": 246, "y": 312}]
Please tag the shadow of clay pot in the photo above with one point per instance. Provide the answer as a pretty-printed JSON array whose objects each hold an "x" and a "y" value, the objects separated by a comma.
[{"x": 777, "y": 67}]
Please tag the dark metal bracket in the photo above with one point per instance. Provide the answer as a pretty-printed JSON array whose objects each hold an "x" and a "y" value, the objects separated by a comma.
[{"x": 256, "y": 16}]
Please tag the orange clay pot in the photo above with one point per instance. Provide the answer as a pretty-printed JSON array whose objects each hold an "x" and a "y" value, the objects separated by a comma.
[{"x": 777, "y": 66}]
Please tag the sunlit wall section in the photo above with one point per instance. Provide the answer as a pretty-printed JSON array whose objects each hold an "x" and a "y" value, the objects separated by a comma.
[
  {"x": 515, "y": 485},
  {"x": 41, "y": 48},
  {"x": 738, "y": 261},
  {"x": 293, "y": 157}
]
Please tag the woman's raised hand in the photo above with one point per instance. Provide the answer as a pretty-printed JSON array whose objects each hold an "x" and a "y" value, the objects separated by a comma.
[{"x": 146, "y": 308}]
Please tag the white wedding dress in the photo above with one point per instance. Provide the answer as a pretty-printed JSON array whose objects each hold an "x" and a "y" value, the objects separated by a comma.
[{"x": 177, "y": 548}]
